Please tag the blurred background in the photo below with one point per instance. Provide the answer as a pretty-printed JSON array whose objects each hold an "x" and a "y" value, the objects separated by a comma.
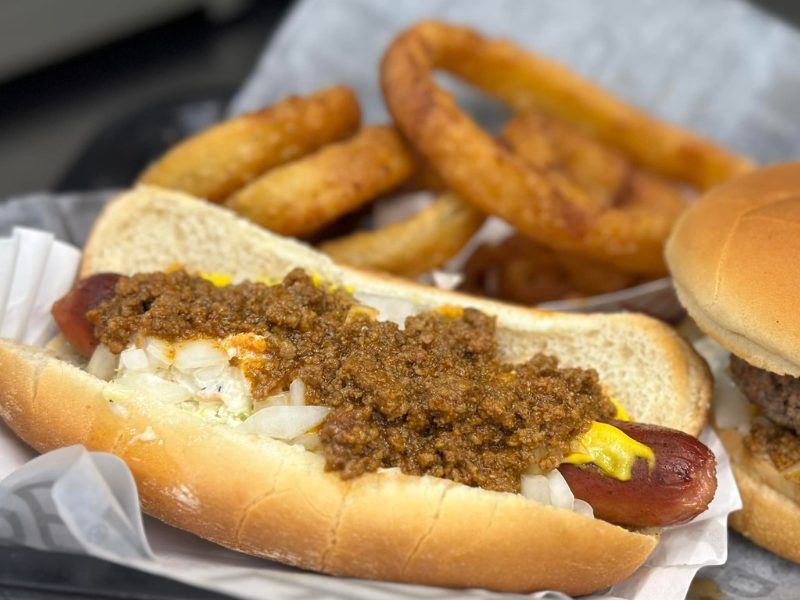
[
  {"x": 91, "y": 90},
  {"x": 73, "y": 70}
]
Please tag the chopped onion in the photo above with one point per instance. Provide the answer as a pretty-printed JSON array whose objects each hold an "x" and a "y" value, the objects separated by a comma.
[
  {"x": 533, "y": 469},
  {"x": 134, "y": 359},
  {"x": 583, "y": 508},
  {"x": 233, "y": 389},
  {"x": 198, "y": 354},
  {"x": 536, "y": 487},
  {"x": 551, "y": 489},
  {"x": 560, "y": 494},
  {"x": 309, "y": 441},
  {"x": 297, "y": 393},
  {"x": 160, "y": 353},
  {"x": 285, "y": 422},
  {"x": 103, "y": 363},
  {"x": 390, "y": 309},
  {"x": 211, "y": 374},
  {"x": 276, "y": 400},
  {"x": 155, "y": 387}
]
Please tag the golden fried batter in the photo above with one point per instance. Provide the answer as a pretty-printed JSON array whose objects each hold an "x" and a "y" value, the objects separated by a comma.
[
  {"x": 301, "y": 197},
  {"x": 423, "y": 242},
  {"x": 216, "y": 162}
]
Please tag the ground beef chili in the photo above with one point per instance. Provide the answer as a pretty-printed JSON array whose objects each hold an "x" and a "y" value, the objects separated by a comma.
[
  {"x": 432, "y": 398},
  {"x": 778, "y": 398},
  {"x": 780, "y": 444}
]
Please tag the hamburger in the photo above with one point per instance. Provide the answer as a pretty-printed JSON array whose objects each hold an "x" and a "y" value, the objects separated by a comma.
[{"x": 735, "y": 262}]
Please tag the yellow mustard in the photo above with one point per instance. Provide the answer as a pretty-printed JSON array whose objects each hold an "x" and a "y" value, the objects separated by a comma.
[
  {"x": 611, "y": 450},
  {"x": 217, "y": 279}
]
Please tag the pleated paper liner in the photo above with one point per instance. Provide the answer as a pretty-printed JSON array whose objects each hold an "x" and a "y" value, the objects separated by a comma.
[{"x": 35, "y": 271}]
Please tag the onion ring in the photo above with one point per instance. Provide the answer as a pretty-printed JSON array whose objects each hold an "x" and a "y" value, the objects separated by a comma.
[
  {"x": 303, "y": 196},
  {"x": 522, "y": 271},
  {"x": 523, "y": 81},
  {"x": 550, "y": 210},
  {"x": 557, "y": 147},
  {"x": 414, "y": 246},
  {"x": 216, "y": 162}
]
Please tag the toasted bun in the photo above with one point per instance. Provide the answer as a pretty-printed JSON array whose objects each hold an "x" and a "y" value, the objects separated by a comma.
[
  {"x": 735, "y": 261},
  {"x": 267, "y": 498}
]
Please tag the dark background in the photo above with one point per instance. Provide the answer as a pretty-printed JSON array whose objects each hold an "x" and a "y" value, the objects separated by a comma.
[
  {"x": 92, "y": 121},
  {"x": 48, "y": 118}
]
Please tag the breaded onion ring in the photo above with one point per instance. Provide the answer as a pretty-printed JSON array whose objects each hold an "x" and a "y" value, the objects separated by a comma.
[
  {"x": 216, "y": 162},
  {"x": 551, "y": 210},
  {"x": 423, "y": 242},
  {"x": 524, "y": 81},
  {"x": 299, "y": 198},
  {"x": 606, "y": 174},
  {"x": 525, "y": 272}
]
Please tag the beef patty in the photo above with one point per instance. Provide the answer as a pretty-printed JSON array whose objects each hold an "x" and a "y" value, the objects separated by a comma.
[{"x": 778, "y": 396}]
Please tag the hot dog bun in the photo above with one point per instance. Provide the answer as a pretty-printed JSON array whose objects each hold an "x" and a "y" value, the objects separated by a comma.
[
  {"x": 734, "y": 261},
  {"x": 270, "y": 499}
]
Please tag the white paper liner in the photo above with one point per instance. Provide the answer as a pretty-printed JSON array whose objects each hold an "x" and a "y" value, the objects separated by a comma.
[
  {"x": 35, "y": 270},
  {"x": 72, "y": 500}
]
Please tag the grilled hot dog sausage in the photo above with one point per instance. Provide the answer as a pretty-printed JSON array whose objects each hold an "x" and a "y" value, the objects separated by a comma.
[
  {"x": 678, "y": 488},
  {"x": 70, "y": 311}
]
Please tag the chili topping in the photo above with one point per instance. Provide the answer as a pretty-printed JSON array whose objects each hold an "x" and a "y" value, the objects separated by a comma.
[{"x": 432, "y": 398}]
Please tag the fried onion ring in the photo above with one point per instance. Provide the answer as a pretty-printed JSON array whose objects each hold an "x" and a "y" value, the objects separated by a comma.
[
  {"x": 414, "y": 246},
  {"x": 522, "y": 271},
  {"x": 551, "y": 210},
  {"x": 216, "y": 162},
  {"x": 303, "y": 196},
  {"x": 523, "y": 81},
  {"x": 557, "y": 147}
]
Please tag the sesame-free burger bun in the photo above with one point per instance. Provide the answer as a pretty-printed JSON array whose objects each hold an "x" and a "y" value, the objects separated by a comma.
[{"x": 735, "y": 261}]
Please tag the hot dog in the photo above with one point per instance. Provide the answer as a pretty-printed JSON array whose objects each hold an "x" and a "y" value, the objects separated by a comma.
[
  {"x": 70, "y": 312},
  {"x": 421, "y": 434},
  {"x": 677, "y": 487}
]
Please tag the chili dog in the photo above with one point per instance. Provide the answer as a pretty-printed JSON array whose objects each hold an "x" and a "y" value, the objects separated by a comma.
[
  {"x": 676, "y": 488},
  {"x": 275, "y": 403}
]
